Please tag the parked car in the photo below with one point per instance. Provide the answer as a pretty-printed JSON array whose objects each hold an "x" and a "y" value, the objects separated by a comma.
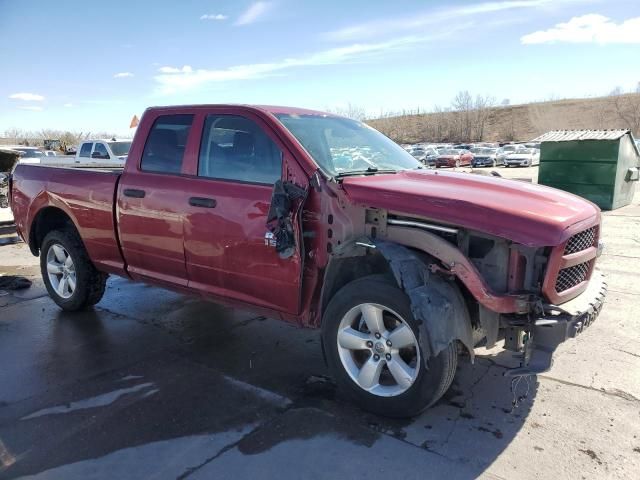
[
  {"x": 463, "y": 146},
  {"x": 71, "y": 150},
  {"x": 28, "y": 154},
  {"x": 399, "y": 266},
  {"x": 430, "y": 156},
  {"x": 523, "y": 157},
  {"x": 418, "y": 152},
  {"x": 487, "y": 157},
  {"x": 453, "y": 158}
]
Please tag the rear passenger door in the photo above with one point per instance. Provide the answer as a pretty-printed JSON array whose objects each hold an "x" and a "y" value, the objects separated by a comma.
[
  {"x": 152, "y": 199},
  {"x": 227, "y": 250}
]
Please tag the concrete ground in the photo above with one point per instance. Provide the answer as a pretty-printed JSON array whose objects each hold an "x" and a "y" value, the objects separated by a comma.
[{"x": 152, "y": 384}]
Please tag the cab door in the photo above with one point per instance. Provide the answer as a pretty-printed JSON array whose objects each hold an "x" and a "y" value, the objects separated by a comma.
[
  {"x": 152, "y": 200},
  {"x": 228, "y": 249}
]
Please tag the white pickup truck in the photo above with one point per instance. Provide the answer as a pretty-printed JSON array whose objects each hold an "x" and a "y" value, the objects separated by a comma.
[{"x": 92, "y": 153}]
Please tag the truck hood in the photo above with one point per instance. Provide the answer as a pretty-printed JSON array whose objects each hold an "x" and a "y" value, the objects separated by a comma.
[{"x": 522, "y": 212}]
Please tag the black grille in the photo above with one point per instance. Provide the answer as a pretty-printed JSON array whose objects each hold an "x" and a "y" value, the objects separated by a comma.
[
  {"x": 572, "y": 276},
  {"x": 581, "y": 241}
]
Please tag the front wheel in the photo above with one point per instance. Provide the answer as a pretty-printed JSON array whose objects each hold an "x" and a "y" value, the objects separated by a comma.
[
  {"x": 371, "y": 343},
  {"x": 70, "y": 277}
]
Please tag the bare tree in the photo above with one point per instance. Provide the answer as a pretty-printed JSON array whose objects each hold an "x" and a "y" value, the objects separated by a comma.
[
  {"x": 463, "y": 105},
  {"x": 350, "y": 111},
  {"x": 627, "y": 108},
  {"x": 482, "y": 110}
]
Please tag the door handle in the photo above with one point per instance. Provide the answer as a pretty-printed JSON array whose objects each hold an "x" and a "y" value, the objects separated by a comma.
[
  {"x": 133, "y": 193},
  {"x": 202, "y": 202}
]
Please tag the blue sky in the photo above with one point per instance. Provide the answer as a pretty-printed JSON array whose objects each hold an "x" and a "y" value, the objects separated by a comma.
[{"x": 84, "y": 65}]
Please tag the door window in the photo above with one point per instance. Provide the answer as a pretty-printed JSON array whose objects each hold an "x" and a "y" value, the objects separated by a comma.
[
  {"x": 236, "y": 148},
  {"x": 166, "y": 143},
  {"x": 85, "y": 150},
  {"x": 100, "y": 150}
]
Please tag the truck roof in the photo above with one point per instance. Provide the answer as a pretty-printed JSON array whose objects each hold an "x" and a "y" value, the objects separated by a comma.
[{"x": 272, "y": 109}]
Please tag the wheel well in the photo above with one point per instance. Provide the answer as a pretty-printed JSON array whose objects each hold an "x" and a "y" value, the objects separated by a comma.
[
  {"x": 47, "y": 219},
  {"x": 347, "y": 269}
]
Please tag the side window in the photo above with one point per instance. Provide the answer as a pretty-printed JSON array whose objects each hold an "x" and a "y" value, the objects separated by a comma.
[
  {"x": 165, "y": 145},
  {"x": 101, "y": 150},
  {"x": 85, "y": 150},
  {"x": 236, "y": 148}
]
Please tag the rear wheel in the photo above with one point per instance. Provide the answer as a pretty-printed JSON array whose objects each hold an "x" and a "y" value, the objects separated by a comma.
[
  {"x": 70, "y": 277},
  {"x": 371, "y": 343}
]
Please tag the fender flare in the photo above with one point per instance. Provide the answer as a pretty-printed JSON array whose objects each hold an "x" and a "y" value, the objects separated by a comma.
[{"x": 436, "y": 303}]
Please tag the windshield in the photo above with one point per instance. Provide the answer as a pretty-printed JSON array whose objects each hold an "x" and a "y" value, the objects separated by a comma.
[
  {"x": 341, "y": 145},
  {"x": 120, "y": 149},
  {"x": 30, "y": 153},
  {"x": 510, "y": 148}
]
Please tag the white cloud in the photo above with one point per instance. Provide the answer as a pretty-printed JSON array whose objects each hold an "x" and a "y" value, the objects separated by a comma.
[
  {"x": 123, "y": 75},
  {"x": 172, "y": 79},
  {"x": 169, "y": 70},
  {"x": 32, "y": 108},
  {"x": 68, "y": 105},
  {"x": 591, "y": 28},
  {"x": 433, "y": 17},
  {"x": 252, "y": 14},
  {"x": 27, "y": 97},
  {"x": 214, "y": 16}
]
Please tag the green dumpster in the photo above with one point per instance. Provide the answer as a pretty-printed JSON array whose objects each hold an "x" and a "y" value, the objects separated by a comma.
[{"x": 599, "y": 165}]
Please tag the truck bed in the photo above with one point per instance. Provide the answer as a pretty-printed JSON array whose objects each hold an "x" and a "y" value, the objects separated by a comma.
[{"x": 86, "y": 195}]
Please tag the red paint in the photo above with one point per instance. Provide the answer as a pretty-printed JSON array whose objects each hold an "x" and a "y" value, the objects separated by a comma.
[
  {"x": 221, "y": 253},
  {"x": 454, "y": 160},
  {"x": 525, "y": 213}
]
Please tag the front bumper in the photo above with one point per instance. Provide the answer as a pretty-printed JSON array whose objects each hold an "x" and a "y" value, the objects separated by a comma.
[{"x": 558, "y": 324}]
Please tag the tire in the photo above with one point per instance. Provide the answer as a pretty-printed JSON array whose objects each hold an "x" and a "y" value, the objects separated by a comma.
[
  {"x": 89, "y": 282},
  {"x": 427, "y": 386}
]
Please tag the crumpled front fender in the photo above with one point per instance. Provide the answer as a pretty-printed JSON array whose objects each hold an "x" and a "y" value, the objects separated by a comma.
[{"x": 436, "y": 303}]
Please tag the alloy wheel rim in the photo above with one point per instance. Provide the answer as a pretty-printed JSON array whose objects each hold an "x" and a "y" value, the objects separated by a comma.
[
  {"x": 378, "y": 350},
  {"x": 61, "y": 271}
]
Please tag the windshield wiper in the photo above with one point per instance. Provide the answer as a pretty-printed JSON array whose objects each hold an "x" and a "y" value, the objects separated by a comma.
[{"x": 368, "y": 171}]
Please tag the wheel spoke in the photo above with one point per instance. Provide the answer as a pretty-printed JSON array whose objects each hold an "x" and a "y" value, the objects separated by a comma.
[
  {"x": 402, "y": 337},
  {"x": 54, "y": 268},
  {"x": 372, "y": 316},
  {"x": 369, "y": 375},
  {"x": 72, "y": 283},
  {"x": 59, "y": 253},
  {"x": 401, "y": 372},
  {"x": 62, "y": 287},
  {"x": 352, "y": 339},
  {"x": 68, "y": 262}
]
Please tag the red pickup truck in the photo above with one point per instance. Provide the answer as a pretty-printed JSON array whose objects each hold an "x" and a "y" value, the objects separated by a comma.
[{"x": 322, "y": 221}]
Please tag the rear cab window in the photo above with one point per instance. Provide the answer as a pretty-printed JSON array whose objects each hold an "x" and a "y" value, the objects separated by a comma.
[{"x": 165, "y": 146}]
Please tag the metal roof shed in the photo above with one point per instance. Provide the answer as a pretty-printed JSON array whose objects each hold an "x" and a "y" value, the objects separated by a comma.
[{"x": 599, "y": 165}]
